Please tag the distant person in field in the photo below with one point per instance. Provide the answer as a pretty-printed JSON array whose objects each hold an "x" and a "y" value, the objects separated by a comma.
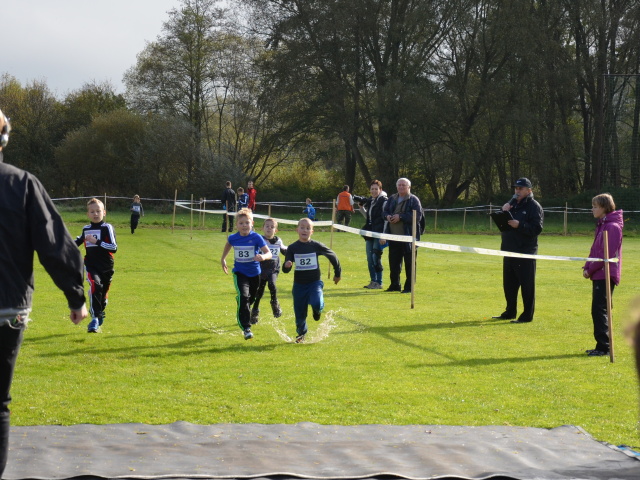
[
  {"x": 373, "y": 211},
  {"x": 136, "y": 212},
  {"x": 520, "y": 273},
  {"x": 611, "y": 221},
  {"x": 243, "y": 199},
  {"x": 309, "y": 210},
  {"x": 251, "y": 192},
  {"x": 307, "y": 286},
  {"x": 269, "y": 270},
  {"x": 344, "y": 206},
  {"x": 398, "y": 214},
  {"x": 29, "y": 223},
  {"x": 229, "y": 202},
  {"x": 249, "y": 249},
  {"x": 99, "y": 240}
]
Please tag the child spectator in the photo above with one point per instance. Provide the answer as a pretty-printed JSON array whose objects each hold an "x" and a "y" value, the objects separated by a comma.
[
  {"x": 269, "y": 270},
  {"x": 249, "y": 249},
  {"x": 609, "y": 220},
  {"x": 99, "y": 241},
  {"x": 243, "y": 199},
  {"x": 307, "y": 286},
  {"x": 252, "y": 192},
  {"x": 309, "y": 210},
  {"x": 136, "y": 212}
]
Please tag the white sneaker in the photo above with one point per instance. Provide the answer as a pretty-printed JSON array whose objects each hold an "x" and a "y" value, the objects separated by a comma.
[
  {"x": 375, "y": 286},
  {"x": 371, "y": 285}
]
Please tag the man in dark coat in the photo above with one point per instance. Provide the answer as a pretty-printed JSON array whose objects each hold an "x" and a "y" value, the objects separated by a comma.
[{"x": 520, "y": 273}]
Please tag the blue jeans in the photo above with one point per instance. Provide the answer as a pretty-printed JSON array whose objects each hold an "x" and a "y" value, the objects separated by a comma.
[
  {"x": 374, "y": 259},
  {"x": 305, "y": 294}
]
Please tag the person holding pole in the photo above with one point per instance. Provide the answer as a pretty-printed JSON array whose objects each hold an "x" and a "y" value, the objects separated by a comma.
[
  {"x": 610, "y": 224},
  {"x": 398, "y": 215},
  {"x": 522, "y": 237}
]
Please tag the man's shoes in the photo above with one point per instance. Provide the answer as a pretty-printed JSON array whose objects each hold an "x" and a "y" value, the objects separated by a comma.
[
  {"x": 275, "y": 308},
  {"x": 503, "y": 316},
  {"x": 370, "y": 285},
  {"x": 597, "y": 353},
  {"x": 393, "y": 288},
  {"x": 520, "y": 321},
  {"x": 406, "y": 290},
  {"x": 248, "y": 335},
  {"x": 376, "y": 286},
  {"x": 316, "y": 315},
  {"x": 300, "y": 339},
  {"x": 255, "y": 316}
]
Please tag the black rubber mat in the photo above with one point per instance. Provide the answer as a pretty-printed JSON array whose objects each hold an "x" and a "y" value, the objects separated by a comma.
[{"x": 312, "y": 451}]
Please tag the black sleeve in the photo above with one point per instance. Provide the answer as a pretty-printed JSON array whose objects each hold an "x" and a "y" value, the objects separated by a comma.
[{"x": 56, "y": 249}]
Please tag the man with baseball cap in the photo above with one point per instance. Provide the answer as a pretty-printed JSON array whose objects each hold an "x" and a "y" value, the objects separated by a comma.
[
  {"x": 522, "y": 237},
  {"x": 29, "y": 223}
]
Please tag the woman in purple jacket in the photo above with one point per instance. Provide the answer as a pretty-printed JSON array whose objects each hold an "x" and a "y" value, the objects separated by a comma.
[{"x": 609, "y": 220}]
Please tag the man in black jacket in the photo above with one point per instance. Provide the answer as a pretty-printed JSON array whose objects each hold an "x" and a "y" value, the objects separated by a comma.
[
  {"x": 520, "y": 273},
  {"x": 229, "y": 204},
  {"x": 29, "y": 223}
]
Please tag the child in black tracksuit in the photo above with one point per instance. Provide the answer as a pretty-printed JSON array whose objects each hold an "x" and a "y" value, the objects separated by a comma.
[
  {"x": 307, "y": 286},
  {"x": 99, "y": 240},
  {"x": 136, "y": 212},
  {"x": 269, "y": 270}
]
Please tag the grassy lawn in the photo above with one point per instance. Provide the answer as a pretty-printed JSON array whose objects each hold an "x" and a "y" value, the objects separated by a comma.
[{"x": 171, "y": 349}]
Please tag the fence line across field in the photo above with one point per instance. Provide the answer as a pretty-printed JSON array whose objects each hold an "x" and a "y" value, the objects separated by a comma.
[{"x": 406, "y": 238}]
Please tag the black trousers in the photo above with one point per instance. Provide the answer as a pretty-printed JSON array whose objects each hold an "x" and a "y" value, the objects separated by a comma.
[
  {"x": 246, "y": 289},
  {"x": 400, "y": 252},
  {"x": 99, "y": 284},
  {"x": 134, "y": 222},
  {"x": 599, "y": 314},
  {"x": 519, "y": 274},
  {"x": 10, "y": 341},
  {"x": 268, "y": 279},
  {"x": 224, "y": 222}
]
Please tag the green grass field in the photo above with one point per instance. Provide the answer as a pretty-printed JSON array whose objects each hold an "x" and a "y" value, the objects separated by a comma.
[{"x": 171, "y": 349}]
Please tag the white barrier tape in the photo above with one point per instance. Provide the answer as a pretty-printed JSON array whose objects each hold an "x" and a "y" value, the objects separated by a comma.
[
  {"x": 434, "y": 246},
  {"x": 458, "y": 248}
]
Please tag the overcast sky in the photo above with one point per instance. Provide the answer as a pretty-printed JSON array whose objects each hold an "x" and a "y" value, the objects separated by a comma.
[{"x": 68, "y": 43}]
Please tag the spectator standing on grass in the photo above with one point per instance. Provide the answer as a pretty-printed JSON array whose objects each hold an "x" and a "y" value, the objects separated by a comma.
[
  {"x": 249, "y": 249},
  {"x": 344, "y": 206},
  {"x": 29, "y": 222},
  {"x": 251, "y": 192},
  {"x": 269, "y": 271},
  {"x": 309, "y": 210},
  {"x": 373, "y": 210},
  {"x": 611, "y": 221},
  {"x": 99, "y": 240},
  {"x": 136, "y": 212},
  {"x": 229, "y": 204},
  {"x": 520, "y": 273},
  {"x": 243, "y": 199},
  {"x": 307, "y": 285},
  {"x": 398, "y": 213}
]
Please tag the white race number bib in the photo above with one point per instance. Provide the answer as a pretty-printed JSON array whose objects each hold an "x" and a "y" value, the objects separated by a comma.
[{"x": 306, "y": 261}]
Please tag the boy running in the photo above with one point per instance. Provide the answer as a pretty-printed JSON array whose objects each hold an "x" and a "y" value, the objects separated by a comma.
[
  {"x": 99, "y": 241},
  {"x": 270, "y": 270},
  {"x": 249, "y": 249},
  {"x": 307, "y": 286}
]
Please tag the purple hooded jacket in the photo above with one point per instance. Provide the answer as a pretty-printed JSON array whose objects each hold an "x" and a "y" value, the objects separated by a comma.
[{"x": 612, "y": 223}]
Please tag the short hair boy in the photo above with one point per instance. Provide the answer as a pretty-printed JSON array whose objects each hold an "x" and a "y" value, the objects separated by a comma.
[
  {"x": 307, "y": 286},
  {"x": 99, "y": 239}
]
